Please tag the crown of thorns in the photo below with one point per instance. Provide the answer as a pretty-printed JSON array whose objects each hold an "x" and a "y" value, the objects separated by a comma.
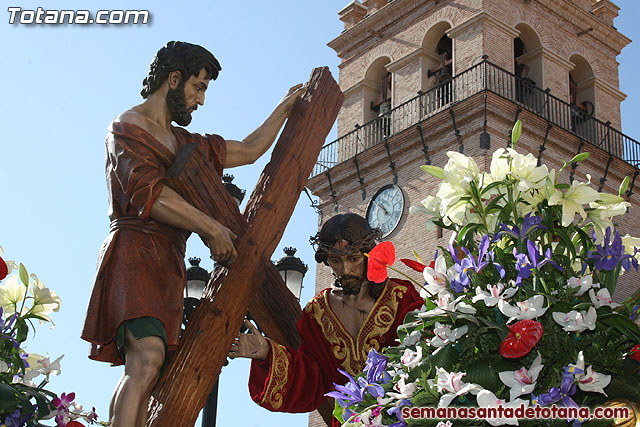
[{"x": 365, "y": 243}]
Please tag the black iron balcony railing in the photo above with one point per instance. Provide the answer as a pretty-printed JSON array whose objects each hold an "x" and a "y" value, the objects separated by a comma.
[{"x": 484, "y": 76}]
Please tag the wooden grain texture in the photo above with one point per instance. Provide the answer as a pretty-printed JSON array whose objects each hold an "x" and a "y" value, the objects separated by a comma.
[{"x": 182, "y": 390}]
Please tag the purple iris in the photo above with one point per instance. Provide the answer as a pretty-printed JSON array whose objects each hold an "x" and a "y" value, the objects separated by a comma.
[
  {"x": 461, "y": 280},
  {"x": 634, "y": 312},
  {"x": 567, "y": 389},
  {"x": 397, "y": 410},
  {"x": 372, "y": 388},
  {"x": 376, "y": 368},
  {"x": 608, "y": 256},
  {"x": 530, "y": 223},
  {"x": 15, "y": 419},
  {"x": 525, "y": 264},
  {"x": 348, "y": 394},
  {"x": 5, "y": 328}
]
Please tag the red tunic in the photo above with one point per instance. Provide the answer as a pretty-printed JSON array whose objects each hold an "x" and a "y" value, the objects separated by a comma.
[
  {"x": 141, "y": 268},
  {"x": 296, "y": 380}
]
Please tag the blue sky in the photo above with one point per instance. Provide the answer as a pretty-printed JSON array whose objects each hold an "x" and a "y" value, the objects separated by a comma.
[{"x": 64, "y": 84}]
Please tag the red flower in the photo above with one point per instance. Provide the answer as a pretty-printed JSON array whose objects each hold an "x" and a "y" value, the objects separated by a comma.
[
  {"x": 523, "y": 336},
  {"x": 635, "y": 352},
  {"x": 4, "y": 270},
  {"x": 380, "y": 257},
  {"x": 74, "y": 423},
  {"x": 415, "y": 265}
]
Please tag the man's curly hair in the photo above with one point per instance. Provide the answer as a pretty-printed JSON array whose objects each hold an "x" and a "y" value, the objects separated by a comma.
[
  {"x": 350, "y": 227},
  {"x": 185, "y": 57}
]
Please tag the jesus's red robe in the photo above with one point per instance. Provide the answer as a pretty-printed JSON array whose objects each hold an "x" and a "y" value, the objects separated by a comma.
[{"x": 296, "y": 380}]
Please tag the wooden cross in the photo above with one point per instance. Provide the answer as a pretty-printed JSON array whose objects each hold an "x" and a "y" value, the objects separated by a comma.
[{"x": 252, "y": 281}]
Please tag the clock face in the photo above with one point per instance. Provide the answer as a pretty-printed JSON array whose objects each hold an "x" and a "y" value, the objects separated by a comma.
[{"x": 386, "y": 208}]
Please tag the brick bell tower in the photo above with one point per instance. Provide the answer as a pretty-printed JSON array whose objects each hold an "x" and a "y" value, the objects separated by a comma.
[{"x": 423, "y": 77}]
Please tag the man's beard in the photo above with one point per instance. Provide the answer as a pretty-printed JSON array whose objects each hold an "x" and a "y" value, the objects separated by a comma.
[
  {"x": 178, "y": 105},
  {"x": 350, "y": 285}
]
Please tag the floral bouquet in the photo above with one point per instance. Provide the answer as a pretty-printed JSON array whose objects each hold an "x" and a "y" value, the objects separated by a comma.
[
  {"x": 24, "y": 298},
  {"x": 518, "y": 310}
]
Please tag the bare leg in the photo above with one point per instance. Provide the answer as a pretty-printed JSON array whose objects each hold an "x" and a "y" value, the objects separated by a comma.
[
  {"x": 113, "y": 398},
  {"x": 144, "y": 358}
]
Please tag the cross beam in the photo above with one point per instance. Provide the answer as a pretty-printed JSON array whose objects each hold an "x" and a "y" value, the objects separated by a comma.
[{"x": 251, "y": 281}]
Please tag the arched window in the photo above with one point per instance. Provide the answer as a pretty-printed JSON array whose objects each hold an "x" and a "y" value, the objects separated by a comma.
[
  {"x": 527, "y": 66},
  {"x": 438, "y": 72},
  {"x": 377, "y": 101},
  {"x": 582, "y": 95},
  {"x": 377, "y": 95}
]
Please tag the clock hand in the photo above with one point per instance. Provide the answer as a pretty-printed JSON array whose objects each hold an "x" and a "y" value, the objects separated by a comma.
[{"x": 381, "y": 207}]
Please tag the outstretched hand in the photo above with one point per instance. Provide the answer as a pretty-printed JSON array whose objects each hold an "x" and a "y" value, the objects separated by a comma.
[
  {"x": 251, "y": 345},
  {"x": 292, "y": 96}
]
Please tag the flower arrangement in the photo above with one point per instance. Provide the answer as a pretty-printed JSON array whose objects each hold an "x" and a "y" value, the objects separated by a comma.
[
  {"x": 518, "y": 308},
  {"x": 24, "y": 298}
]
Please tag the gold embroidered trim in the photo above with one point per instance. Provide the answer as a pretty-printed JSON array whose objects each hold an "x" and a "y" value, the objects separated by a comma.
[
  {"x": 279, "y": 375},
  {"x": 354, "y": 355}
]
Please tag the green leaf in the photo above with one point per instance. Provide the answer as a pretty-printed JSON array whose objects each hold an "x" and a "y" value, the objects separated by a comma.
[
  {"x": 580, "y": 157},
  {"x": 337, "y": 412},
  {"x": 485, "y": 373},
  {"x": 492, "y": 186},
  {"x": 24, "y": 275},
  {"x": 625, "y": 325},
  {"x": 8, "y": 400},
  {"x": 445, "y": 358},
  {"x": 22, "y": 330},
  {"x": 462, "y": 235},
  {"x": 516, "y": 132},
  {"x": 43, "y": 403},
  {"x": 436, "y": 171},
  {"x": 562, "y": 186},
  {"x": 623, "y": 186},
  {"x": 562, "y": 234}
]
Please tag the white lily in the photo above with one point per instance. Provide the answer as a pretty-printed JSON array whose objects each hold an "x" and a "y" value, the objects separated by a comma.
[
  {"x": 12, "y": 292},
  {"x": 411, "y": 358},
  {"x": 630, "y": 243},
  {"x": 589, "y": 380},
  {"x": 602, "y": 299},
  {"x": 445, "y": 305},
  {"x": 522, "y": 381},
  {"x": 494, "y": 295},
  {"x": 452, "y": 383},
  {"x": 487, "y": 399},
  {"x": 443, "y": 334},
  {"x": 45, "y": 300},
  {"x": 529, "y": 309},
  {"x": 602, "y": 217},
  {"x": 431, "y": 207},
  {"x": 499, "y": 166},
  {"x": 437, "y": 278},
  {"x": 572, "y": 200},
  {"x": 584, "y": 283},
  {"x": 574, "y": 321},
  {"x": 525, "y": 168},
  {"x": 404, "y": 390}
]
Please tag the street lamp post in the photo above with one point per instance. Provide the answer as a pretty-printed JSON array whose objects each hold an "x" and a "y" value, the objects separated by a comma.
[
  {"x": 197, "y": 279},
  {"x": 292, "y": 270}
]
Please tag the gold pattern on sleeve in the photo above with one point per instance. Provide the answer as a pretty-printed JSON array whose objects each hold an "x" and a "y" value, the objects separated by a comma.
[
  {"x": 279, "y": 375},
  {"x": 353, "y": 356}
]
